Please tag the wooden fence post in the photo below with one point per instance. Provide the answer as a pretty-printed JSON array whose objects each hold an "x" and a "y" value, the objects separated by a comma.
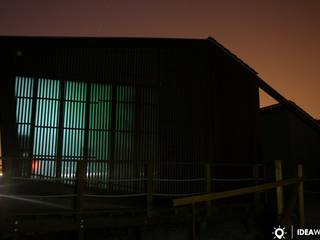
[
  {"x": 194, "y": 234},
  {"x": 264, "y": 169},
  {"x": 150, "y": 188},
  {"x": 301, "y": 197},
  {"x": 6, "y": 181},
  {"x": 208, "y": 186},
  {"x": 79, "y": 186},
  {"x": 79, "y": 201},
  {"x": 255, "y": 174},
  {"x": 278, "y": 174}
]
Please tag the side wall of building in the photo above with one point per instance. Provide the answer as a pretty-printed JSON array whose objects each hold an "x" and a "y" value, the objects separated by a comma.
[{"x": 286, "y": 137}]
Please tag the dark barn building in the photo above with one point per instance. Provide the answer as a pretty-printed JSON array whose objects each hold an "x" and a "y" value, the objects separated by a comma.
[
  {"x": 286, "y": 137},
  {"x": 122, "y": 104},
  {"x": 125, "y": 123},
  {"x": 135, "y": 119}
]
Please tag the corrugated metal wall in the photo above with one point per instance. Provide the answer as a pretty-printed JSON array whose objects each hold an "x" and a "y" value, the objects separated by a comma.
[{"x": 123, "y": 109}]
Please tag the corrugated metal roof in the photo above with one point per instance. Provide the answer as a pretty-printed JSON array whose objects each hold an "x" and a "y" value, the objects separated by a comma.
[
  {"x": 303, "y": 115},
  {"x": 235, "y": 57}
]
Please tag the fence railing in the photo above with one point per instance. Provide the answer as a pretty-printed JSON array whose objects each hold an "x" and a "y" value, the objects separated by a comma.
[
  {"x": 278, "y": 185},
  {"x": 204, "y": 176},
  {"x": 125, "y": 180},
  {"x": 125, "y": 177}
]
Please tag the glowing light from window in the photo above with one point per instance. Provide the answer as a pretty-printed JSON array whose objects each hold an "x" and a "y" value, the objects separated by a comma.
[{"x": 35, "y": 165}]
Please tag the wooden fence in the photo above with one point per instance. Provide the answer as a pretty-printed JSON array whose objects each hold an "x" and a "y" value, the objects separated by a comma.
[{"x": 284, "y": 216}]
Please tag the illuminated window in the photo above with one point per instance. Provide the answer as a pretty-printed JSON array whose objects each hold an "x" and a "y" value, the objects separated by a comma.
[
  {"x": 55, "y": 119},
  {"x": 24, "y": 88},
  {"x": 46, "y": 128},
  {"x": 51, "y": 130},
  {"x": 99, "y": 134},
  {"x": 73, "y": 127}
]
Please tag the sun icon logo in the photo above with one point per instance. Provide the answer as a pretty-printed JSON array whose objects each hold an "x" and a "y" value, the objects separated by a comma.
[{"x": 279, "y": 232}]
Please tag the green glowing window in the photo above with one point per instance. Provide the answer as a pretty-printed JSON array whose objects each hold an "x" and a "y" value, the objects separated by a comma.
[
  {"x": 51, "y": 121},
  {"x": 73, "y": 127},
  {"x": 99, "y": 133},
  {"x": 24, "y": 92},
  {"x": 46, "y": 128}
]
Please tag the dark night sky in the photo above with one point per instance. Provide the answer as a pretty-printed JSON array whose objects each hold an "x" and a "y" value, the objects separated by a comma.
[{"x": 278, "y": 38}]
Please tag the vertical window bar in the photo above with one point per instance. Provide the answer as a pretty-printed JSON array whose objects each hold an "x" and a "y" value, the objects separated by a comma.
[
  {"x": 112, "y": 135},
  {"x": 86, "y": 127},
  {"x": 60, "y": 129},
  {"x": 137, "y": 133}
]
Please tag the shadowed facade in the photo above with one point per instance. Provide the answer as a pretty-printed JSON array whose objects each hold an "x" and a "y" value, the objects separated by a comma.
[{"x": 123, "y": 105}]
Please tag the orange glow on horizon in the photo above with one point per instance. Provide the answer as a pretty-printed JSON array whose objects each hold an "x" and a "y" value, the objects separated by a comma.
[{"x": 280, "y": 40}]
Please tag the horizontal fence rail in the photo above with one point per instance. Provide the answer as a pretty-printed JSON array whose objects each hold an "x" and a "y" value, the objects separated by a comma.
[
  {"x": 233, "y": 193},
  {"x": 168, "y": 179}
]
